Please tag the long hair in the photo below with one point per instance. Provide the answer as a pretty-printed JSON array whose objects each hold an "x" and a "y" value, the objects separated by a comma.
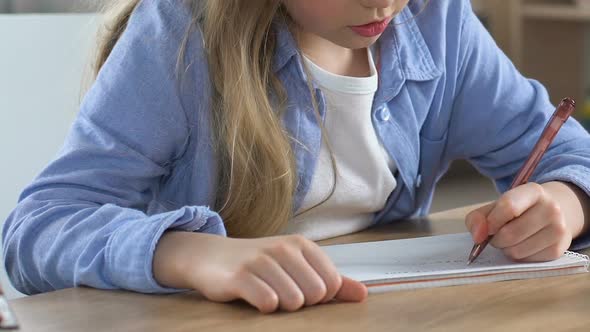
[{"x": 258, "y": 174}]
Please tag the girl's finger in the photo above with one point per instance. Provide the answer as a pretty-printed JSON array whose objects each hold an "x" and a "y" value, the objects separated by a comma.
[
  {"x": 351, "y": 291},
  {"x": 539, "y": 241},
  {"x": 476, "y": 222},
  {"x": 521, "y": 228},
  {"x": 548, "y": 254},
  {"x": 256, "y": 292},
  {"x": 309, "y": 281},
  {"x": 326, "y": 269},
  {"x": 513, "y": 204},
  {"x": 290, "y": 296}
]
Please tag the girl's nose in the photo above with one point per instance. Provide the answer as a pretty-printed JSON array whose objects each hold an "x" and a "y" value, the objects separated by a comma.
[{"x": 377, "y": 3}]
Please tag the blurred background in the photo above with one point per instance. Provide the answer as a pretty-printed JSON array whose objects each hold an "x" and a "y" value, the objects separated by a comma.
[
  {"x": 46, "y": 47},
  {"x": 48, "y": 6}
]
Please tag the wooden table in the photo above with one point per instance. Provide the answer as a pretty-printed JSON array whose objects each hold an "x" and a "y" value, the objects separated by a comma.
[{"x": 548, "y": 304}]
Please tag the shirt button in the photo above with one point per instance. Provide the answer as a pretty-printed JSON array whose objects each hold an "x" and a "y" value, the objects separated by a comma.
[{"x": 383, "y": 114}]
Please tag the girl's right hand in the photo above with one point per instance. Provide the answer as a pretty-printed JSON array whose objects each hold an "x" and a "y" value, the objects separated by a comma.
[{"x": 282, "y": 272}]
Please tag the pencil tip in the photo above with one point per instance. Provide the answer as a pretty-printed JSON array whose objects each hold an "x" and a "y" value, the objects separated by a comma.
[{"x": 473, "y": 254}]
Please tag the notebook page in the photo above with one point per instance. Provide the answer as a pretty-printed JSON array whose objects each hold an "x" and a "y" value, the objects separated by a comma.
[{"x": 430, "y": 257}]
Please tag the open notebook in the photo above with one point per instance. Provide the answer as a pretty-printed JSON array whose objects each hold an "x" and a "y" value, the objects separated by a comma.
[{"x": 438, "y": 261}]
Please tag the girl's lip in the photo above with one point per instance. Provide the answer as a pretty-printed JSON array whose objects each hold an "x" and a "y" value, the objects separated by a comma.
[{"x": 371, "y": 29}]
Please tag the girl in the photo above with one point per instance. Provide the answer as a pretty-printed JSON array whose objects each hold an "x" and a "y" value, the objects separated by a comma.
[{"x": 278, "y": 123}]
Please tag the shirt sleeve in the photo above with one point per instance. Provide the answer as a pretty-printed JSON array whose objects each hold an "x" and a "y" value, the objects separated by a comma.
[
  {"x": 498, "y": 116},
  {"x": 83, "y": 220}
]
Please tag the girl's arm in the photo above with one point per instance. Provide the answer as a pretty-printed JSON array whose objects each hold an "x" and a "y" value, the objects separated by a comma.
[
  {"x": 84, "y": 220},
  {"x": 497, "y": 116}
]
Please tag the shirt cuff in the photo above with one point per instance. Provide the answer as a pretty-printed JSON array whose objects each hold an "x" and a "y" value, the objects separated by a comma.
[{"x": 130, "y": 252}]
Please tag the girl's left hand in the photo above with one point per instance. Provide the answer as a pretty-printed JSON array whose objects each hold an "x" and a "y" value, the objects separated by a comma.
[{"x": 530, "y": 222}]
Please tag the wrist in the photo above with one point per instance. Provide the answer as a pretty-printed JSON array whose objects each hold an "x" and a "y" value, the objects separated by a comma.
[
  {"x": 170, "y": 265},
  {"x": 184, "y": 259}
]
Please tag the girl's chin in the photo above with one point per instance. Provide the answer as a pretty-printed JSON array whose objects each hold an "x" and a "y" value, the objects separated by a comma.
[{"x": 360, "y": 42}]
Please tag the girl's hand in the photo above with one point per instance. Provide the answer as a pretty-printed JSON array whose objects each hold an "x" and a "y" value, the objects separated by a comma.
[
  {"x": 531, "y": 222},
  {"x": 283, "y": 272}
]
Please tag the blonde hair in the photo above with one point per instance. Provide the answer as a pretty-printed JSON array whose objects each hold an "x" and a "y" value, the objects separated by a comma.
[{"x": 258, "y": 173}]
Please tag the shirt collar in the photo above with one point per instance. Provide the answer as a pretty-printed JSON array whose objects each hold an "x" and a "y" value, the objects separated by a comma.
[{"x": 402, "y": 47}]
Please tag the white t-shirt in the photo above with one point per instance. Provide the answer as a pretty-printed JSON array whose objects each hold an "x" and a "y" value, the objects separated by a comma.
[{"x": 365, "y": 170}]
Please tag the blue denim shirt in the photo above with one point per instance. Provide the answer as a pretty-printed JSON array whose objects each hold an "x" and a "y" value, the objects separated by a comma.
[{"x": 139, "y": 160}]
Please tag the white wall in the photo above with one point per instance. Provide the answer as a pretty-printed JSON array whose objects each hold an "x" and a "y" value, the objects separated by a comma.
[{"x": 41, "y": 66}]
